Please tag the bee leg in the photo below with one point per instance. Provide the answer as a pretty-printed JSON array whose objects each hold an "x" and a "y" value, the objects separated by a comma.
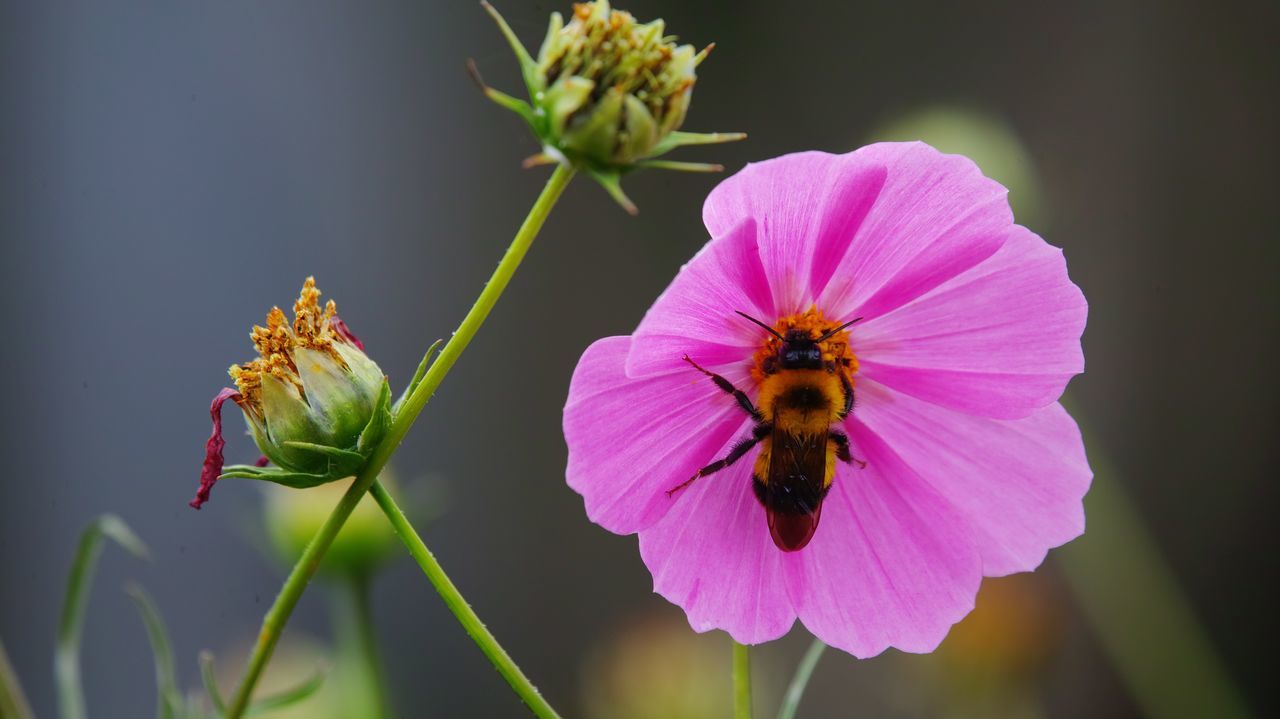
[
  {"x": 727, "y": 386},
  {"x": 760, "y": 432},
  {"x": 842, "y": 449},
  {"x": 847, "y": 386}
]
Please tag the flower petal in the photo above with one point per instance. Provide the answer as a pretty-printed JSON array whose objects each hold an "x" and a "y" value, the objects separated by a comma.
[
  {"x": 632, "y": 439},
  {"x": 892, "y": 564},
  {"x": 713, "y": 557},
  {"x": 808, "y": 207},
  {"x": 1000, "y": 340},
  {"x": 1020, "y": 482},
  {"x": 936, "y": 216},
  {"x": 213, "y": 461},
  {"x": 695, "y": 315}
]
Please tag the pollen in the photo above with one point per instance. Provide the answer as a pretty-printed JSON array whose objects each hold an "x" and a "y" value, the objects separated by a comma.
[
  {"x": 835, "y": 350},
  {"x": 312, "y": 328}
]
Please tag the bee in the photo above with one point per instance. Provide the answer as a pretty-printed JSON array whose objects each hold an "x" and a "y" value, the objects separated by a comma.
[{"x": 801, "y": 396}]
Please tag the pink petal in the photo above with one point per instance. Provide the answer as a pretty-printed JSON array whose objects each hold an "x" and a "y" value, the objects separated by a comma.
[
  {"x": 808, "y": 207},
  {"x": 935, "y": 217},
  {"x": 632, "y": 439},
  {"x": 212, "y": 466},
  {"x": 342, "y": 329},
  {"x": 1020, "y": 482},
  {"x": 892, "y": 563},
  {"x": 1000, "y": 340},
  {"x": 695, "y": 315},
  {"x": 713, "y": 557}
]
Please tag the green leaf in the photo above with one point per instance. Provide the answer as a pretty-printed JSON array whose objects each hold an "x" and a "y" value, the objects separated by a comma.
[
  {"x": 71, "y": 623},
  {"x": 795, "y": 692},
  {"x": 209, "y": 677},
  {"x": 417, "y": 376},
  {"x": 289, "y": 697},
  {"x": 13, "y": 702},
  {"x": 378, "y": 422},
  {"x": 681, "y": 166},
  {"x": 169, "y": 699}
]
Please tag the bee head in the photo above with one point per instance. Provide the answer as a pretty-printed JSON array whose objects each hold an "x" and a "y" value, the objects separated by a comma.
[
  {"x": 798, "y": 348},
  {"x": 799, "y": 351}
]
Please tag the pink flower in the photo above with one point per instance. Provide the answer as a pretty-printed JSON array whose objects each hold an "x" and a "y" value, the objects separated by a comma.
[{"x": 969, "y": 331}]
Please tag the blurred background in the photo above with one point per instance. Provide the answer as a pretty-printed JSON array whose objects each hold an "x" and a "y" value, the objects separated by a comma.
[{"x": 169, "y": 171}]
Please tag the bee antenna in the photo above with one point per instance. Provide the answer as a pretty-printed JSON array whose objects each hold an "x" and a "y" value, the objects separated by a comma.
[
  {"x": 766, "y": 327},
  {"x": 831, "y": 333}
]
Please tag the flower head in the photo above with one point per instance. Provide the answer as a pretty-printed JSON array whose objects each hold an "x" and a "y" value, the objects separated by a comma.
[
  {"x": 315, "y": 404},
  {"x": 880, "y": 426},
  {"x": 607, "y": 94}
]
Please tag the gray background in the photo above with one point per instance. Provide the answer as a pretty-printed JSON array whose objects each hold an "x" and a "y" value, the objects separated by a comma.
[{"x": 168, "y": 171}]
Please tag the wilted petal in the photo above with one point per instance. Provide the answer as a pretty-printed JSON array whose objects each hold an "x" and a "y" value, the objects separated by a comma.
[{"x": 213, "y": 448}]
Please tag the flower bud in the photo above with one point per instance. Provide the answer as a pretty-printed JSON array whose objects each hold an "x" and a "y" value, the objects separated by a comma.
[
  {"x": 315, "y": 404},
  {"x": 607, "y": 94}
]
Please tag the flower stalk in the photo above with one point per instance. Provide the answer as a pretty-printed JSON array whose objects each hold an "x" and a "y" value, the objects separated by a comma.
[
  {"x": 741, "y": 681},
  {"x": 305, "y": 568}
]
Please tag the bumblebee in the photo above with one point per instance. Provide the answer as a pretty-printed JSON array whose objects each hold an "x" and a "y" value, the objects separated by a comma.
[{"x": 806, "y": 387}]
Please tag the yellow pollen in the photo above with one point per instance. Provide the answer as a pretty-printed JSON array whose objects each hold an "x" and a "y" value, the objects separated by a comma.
[
  {"x": 835, "y": 349},
  {"x": 311, "y": 329}
]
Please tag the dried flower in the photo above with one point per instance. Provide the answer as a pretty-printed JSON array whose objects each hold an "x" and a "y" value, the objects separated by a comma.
[
  {"x": 315, "y": 404},
  {"x": 607, "y": 94}
]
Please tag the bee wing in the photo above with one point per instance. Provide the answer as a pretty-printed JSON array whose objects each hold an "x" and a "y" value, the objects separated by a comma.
[{"x": 794, "y": 490}]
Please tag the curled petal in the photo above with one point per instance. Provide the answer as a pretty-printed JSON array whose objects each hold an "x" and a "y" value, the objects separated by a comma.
[
  {"x": 213, "y": 448},
  {"x": 341, "y": 328}
]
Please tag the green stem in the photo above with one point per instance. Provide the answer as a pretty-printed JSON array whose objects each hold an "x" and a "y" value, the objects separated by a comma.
[
  {"x": 358, "y": 649},
  {"x": 741, "y": 681},
  {"x": 461, "y": 609},
  {"x": 795, "y": 692},
  {"x": 278, "y": 615}
]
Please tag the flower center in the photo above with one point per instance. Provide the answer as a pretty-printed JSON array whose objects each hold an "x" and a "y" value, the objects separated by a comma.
[
  {"x": 810, "y": 324},
  {"x": 312, "y": 328}
]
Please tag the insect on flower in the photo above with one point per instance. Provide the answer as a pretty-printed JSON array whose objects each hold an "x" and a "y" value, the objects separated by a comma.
[
  {"x": 806, "y": 387},
  {"x": 725, "y": 433}
]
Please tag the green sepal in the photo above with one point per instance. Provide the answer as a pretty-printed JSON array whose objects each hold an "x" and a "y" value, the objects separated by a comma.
[
  {"x": 379, "y": 421},
  {"x": 680, "y": 166},
  {"x": 297, "y": 480},
  {"x": 342, "y": 462},
  {"x": 681, "y": 139},
  {"x": 612, "y": 184},
  {"x": 528, "y": 67}
]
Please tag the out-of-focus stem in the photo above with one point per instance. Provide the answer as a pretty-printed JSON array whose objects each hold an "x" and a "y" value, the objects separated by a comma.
[
  {"x": 804, "y": 670},
  {"x": 1145, "y": 623},
  {"x": 741, "y": 681}
]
